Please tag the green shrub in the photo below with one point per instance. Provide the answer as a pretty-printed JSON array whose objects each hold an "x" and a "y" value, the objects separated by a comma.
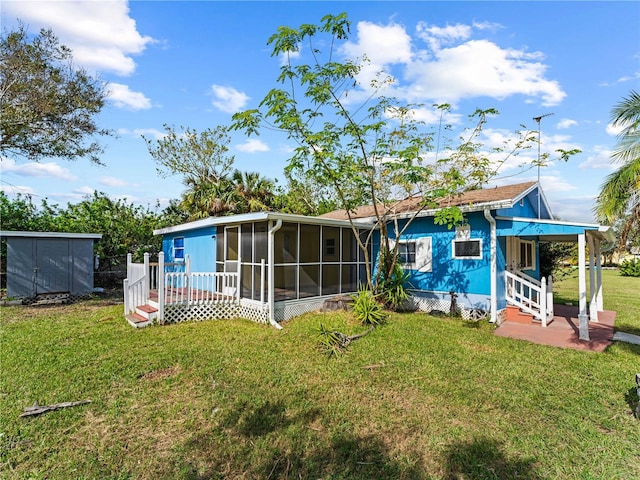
[
  {"x": 366, "y": 307},
  {"x": 630, "y": 268}
]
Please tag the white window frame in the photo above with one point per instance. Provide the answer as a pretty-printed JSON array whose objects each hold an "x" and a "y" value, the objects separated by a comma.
[
  {"x": 406, "y": 244},
  {"x": 175, "y": 249},
  {"x": 522, "y": 264},
  {"x": 423, "y": 253},
  {"x": 463, "y": 234}
]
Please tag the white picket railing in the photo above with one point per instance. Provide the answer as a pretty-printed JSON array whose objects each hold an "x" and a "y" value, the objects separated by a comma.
[
  {"x": 530, "y": 295},
  {"x": 176, "y": 284},
  {"x": 201, "y": 287}
]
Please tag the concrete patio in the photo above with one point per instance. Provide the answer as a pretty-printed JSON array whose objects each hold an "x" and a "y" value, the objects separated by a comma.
[{"x": 563, "y": 330}]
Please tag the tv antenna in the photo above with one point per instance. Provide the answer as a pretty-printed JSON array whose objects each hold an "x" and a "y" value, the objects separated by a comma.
[{"x": 538, "y": 120}]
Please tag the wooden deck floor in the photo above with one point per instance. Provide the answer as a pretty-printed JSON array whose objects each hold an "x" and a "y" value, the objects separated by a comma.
[{"x": 563, "y": 330}]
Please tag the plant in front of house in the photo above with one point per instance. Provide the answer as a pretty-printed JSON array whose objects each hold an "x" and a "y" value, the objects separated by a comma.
[{"x": 630, "y": 268}]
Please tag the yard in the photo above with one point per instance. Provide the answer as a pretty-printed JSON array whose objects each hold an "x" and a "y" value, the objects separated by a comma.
[{"x": 420, "y": 397}]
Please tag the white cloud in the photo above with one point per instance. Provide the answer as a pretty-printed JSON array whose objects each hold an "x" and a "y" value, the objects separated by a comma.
[
  {"x": 451, "y": 65},
  {"x": 228, "y": 99},
  {"x": 381, "y": 44},
  {"x": 36, "y": 169},
  {"x": 566, "y": 123},
  {"x": 253, "y": 145},
  {"x": 614, "y": 130},
  {"x": 112, "y": 182},
  {"x": 102, "y": 35},
  {"x": 599, "y": 158},
  {"x": 139, "y": 132},
  {"x": 77, "y": 194},
  {"x": 14, "y": 190},
  {"x": 123, "y": 97}
]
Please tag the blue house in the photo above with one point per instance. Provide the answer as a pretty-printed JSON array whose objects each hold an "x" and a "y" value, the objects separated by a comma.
[{"x": 271, "y": 267}]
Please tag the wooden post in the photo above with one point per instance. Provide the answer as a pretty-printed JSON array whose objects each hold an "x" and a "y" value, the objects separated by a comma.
[
  {"x": 543, "y": 300},
  {"x": 262, "y": 281},
  {"x": 125, "y": 288},
  {"x": 593, "y": 304},
  {"x": 599, "y": 301},
  {"x": 161, "y": 288},
  {"x": 146, "y": 277},
  {"x": 550, "y": 296},
  {"x": 583, "y": 319},
  {"x": 129, "y": 262}
]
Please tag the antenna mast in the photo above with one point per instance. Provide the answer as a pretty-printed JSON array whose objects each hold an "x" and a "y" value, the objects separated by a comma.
[{"x": 538, "y": 120}]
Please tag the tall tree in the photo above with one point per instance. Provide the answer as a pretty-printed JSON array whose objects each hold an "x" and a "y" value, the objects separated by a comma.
[
  {"x": 255, "y": 192},
  {"x": 48, "y": 106},
  {"x": 373, "y": 149},
  {"x": 619, "y": 199}
]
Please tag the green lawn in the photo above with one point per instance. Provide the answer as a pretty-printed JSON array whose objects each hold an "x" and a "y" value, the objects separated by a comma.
[{"x": 420, "y": 397}]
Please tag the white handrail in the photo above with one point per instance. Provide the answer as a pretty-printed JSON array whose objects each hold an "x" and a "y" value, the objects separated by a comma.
[
  {"x": 528, "y": 296},
  {"x": 134, "y": 294},
  {"x": 201, "y": 287}
]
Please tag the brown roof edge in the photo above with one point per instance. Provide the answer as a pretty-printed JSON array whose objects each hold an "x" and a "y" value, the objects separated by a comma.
[{"x": 412, "y": 204}]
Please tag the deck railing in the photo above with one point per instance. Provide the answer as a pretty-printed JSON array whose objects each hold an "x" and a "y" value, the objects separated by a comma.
[
  {"x": 530, "y": 295},
  {"x": 176, "y": 284}
]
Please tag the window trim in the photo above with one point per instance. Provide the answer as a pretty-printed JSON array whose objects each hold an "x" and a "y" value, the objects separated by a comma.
[
  {"x": 407, "y": 254},
  {"x": 521, "y": 263},
  {"x": 466, "y": 257},
  {"x": 177, "y": 258}
]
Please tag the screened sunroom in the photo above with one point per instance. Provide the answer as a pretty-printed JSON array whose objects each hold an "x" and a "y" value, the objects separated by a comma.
[{"x": 284, "y": 265}]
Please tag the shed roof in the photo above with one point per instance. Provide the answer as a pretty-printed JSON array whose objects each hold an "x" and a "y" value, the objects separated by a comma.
[
  {"x": 496, "y": 197},
  {"x": 9, "y": 233}
]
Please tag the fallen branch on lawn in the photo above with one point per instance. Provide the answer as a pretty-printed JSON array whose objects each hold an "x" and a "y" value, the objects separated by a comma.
[
  {"x": 335, "y": 342},
  {"x": 38, "y": 409}
]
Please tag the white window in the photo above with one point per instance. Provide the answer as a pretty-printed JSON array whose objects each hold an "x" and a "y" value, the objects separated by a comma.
[
  {"x": 527, "y": 259},
  {"x": 178, "y": 248},
  {"x": 465, "y": 247},
  {"x": 414, "y": 254}
]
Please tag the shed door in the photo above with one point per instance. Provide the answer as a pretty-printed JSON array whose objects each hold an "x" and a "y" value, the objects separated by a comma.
[{"x": 53, "y": 265}]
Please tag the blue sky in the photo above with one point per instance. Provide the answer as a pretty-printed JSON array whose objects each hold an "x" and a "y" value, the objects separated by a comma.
[{"x": 194, "y": 64}]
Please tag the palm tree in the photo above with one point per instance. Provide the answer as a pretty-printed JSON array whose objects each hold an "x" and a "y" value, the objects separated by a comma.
[
  {"x": 211, "y": 197},
  {"x": 254, "y": 190},
  {"x": 619, "y": 199}
]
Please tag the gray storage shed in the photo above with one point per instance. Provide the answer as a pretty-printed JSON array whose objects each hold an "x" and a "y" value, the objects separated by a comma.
[{"x": 49, "y": 262}]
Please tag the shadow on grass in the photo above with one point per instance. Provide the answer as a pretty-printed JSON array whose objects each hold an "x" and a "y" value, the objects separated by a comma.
[
  {"x": 266, "y": 441},
  {"x": 484, "y": 459},
  {"x": 631, "y": 397}
]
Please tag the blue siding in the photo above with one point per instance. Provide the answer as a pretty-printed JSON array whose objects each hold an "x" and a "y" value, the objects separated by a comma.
[
  {"x": 467, "y": 277},
  {"x": 199, "y": 244}
]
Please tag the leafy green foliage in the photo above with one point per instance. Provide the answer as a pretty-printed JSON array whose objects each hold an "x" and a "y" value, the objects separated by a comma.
[
  {"x": 619, "y": 198},
  {"x": 214, "y": 188},
  {"x": 48, "y": 106},
  {"x": 366, "y": 307},
  {"x": 630, "y": 268},
  {"x": 332, "y": 342},
  {"x": 354, "y": 141}
]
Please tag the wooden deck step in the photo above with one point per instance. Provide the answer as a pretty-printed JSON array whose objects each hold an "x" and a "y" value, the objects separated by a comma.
[{"x": 137, "y": 321}]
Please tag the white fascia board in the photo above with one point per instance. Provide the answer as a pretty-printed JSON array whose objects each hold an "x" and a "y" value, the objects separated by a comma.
[
  {"x": 476, "y": 207},
  {"x": 257, "y": 217},
  {"x": 92, "y": 236},
  {"x": 593, "y": 226}
]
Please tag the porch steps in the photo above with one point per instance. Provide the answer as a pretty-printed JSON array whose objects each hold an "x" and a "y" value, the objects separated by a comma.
[
  {"x": 143, "y": 316},
  {"x": 515, "y": 315}
]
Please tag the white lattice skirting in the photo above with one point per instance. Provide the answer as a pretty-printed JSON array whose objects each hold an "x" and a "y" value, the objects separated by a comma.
[
  {"x": 177, "y": 313},
  {"x": 430, "y": 304}
]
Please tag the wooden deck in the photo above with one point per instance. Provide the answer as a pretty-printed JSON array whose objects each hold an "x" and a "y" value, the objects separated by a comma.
[{"x": 563, "y": 330}]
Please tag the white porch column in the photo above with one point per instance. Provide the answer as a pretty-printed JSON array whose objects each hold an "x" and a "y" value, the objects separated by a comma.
[
  {"x": 593, "y": 304},
  {"x": 583, "y": 319},
  {"x": 598, "y": 254}
]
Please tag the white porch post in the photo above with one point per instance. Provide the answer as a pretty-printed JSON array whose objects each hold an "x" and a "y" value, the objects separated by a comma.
[
  {"x": 129, "y": 262},
  {"x": 599, "y": 276},
  {"x": 161, "y": 288},
  {"x": 593, "y": 304},
  {"x": 583, "y": 319},
  {"x": 271, "y": 273},
  {"x": 146, "y": 276},
  {"x": 494, "y": 268}
]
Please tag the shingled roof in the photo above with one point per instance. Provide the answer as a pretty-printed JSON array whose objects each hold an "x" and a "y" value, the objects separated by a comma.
[{"x": 475, "y": 199}]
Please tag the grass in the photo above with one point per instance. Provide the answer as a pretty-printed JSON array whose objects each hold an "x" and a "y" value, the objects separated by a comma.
[{"x": 420, "y": 397}]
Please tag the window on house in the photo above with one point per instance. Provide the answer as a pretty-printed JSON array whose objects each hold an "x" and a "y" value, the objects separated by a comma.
[
  {"x": 415, "y": 254},
  {"x": 178, "y": 248},
  {"x": 407, "y": 252},
  {"x": 465, "y": 247},
  {"x": 527, "y": 255},
  {"x": 330, "y": 246}
]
